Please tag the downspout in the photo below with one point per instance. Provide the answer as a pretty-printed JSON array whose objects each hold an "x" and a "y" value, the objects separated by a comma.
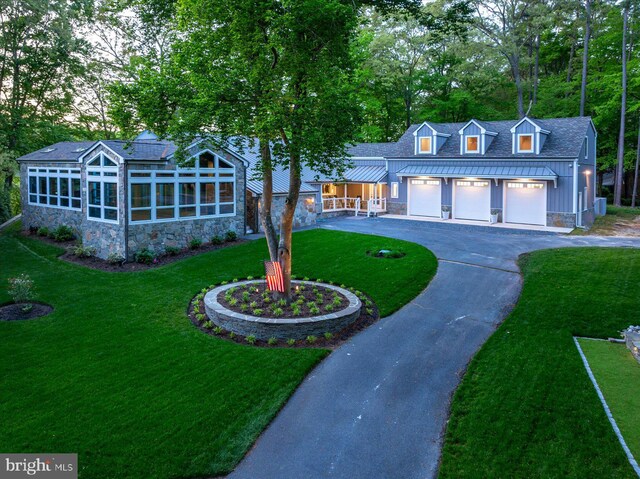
[{"x": 125, "y": 185}]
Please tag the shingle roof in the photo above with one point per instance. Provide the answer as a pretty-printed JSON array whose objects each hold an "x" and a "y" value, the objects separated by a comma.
[
  {"x": 372, "y": 150},
  {"x": 251, "y": 153},
  {"x": 63, "y": 151},
  {"x": 564, "y": 141},
  {"x": 141, "y": 149}
]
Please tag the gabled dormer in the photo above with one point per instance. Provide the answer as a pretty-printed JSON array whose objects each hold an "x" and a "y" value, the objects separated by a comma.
[
  {"x": 428, "y": 140},
  {"x": 527, "y": 137},
  {"x": 475, "y": 138}
]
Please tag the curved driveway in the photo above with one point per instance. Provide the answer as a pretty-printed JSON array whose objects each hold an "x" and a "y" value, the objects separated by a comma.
[{"x": 377, "y": 406}]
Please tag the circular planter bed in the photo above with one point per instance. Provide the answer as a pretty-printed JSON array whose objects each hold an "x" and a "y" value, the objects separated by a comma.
[
  {"x": 245, "y": 308},
  {"x": 14, "y": 312}
]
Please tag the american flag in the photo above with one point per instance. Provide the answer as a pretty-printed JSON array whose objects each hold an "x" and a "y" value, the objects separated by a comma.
[{"x": 275, "y": 280}]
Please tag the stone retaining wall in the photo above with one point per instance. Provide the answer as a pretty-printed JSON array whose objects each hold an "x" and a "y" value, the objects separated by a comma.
[{"x": 285, "y": 328}]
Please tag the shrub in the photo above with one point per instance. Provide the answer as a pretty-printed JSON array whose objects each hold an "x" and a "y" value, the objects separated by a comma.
[
  {"x": 43, "y": 231},
  {"x": 253, "y": 305},
  {"x": 232, "y": 335},
  {"x": 171, "y": 250},
  {"x": 245, "y": 296},
  {"x": 208, "y": 324},
  {"x": 62, "y": 233},
  {"x": 278, "y": 311},
  {"x": 233, "y": 302},
  {"x": 195, "y": 243},
  {"x": 230, "y": 236},
  {"x": 217, "y": 240},
  {"x": 337, "y": 301},
  {"x": 83, "y": 251},
  {"x": 272, "y": 341},
  {"x": 370, "y": 311},
  {"x": 291, "y": 342},
  {"x": 217, "y": 330},
  {"x": 282, "y": 303},
  {"x": 200, "y": 317},
  {"x": 328, "y": 336},
  {"x": 249, "y": 278},
  {"x": 251, "y": 339},
  {"x": 314, "y": 310},
  {"x": 115, "y": 258},
  {"x": 328, "y": 307},
  {"x": 295, "y": 309},
  {"x": 144, "y": 256},
  {"x": 257, "y": 312},
  {"x": 21, "y": 290},
  {"x": 244, "y": 307},
  {"x": 311, "y": 339},
  {"x": 311, "y": 304}
]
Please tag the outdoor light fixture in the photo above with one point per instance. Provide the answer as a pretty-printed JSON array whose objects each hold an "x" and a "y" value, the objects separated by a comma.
[{"x": 587, "y": 172}]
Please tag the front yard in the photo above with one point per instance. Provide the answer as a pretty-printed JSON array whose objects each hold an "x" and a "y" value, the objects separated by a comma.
[
  {"x": 526, "y": 407},
  {"x": 118, "y": 374}
]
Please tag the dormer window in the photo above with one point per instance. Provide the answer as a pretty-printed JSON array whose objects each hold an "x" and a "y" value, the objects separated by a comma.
[
  {"x": 525, "y": 143},
  {"x": 425, "y": 144},
  {"x": 472, "y": 144}
]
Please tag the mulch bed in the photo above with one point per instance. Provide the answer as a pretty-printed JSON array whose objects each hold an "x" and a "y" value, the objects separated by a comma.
[
  {"x": 128, "y": 267},
  {"x": 369, "y": 315},
  {"x": 13, "y": 312},
  {"x": 309, "y": 300}
]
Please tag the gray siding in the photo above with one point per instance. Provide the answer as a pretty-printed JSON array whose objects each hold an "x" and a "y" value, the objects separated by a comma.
[
  {"x": 559, "y": 200},
  {"x": 526, "y": 127}
]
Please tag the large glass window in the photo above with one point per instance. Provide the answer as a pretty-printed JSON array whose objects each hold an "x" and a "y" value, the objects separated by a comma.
[
  {"x": 102, "y": 188},
  {"x": 51, "y": 187},
  {"x": 206, "y": 190},
  {"x": 472, "y": 144}
]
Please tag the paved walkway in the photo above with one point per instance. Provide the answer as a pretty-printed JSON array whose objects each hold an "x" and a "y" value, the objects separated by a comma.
[{"x": 378, "y": 405}]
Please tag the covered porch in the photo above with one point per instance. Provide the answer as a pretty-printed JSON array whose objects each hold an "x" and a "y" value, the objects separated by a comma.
[{"x": 363, "y": 191}]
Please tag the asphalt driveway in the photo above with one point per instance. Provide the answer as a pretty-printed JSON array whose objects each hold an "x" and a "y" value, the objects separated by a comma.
[{"x": 377, "y": 407}]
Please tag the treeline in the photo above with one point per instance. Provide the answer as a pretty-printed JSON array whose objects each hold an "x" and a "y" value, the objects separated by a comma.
[{"x": 445, "y": 61}]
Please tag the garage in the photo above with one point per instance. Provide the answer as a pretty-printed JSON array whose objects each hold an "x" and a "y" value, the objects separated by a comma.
[
  {"x": 525, "y": 202},
  {"x": 425, "y": 197},
  {"x": 472, "y": 200}
]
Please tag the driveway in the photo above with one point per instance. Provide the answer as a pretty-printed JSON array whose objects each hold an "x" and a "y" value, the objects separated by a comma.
[{"x": 377, "y": 406}]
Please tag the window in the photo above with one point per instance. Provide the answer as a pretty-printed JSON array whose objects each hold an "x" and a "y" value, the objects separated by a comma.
[
  {"x": 472, "y": 144},
  {"x": 523, "y": 185},
  {"x": 54, "y": 188},
  {"x": 586, "y": 147},
  {"x": 394, "y": 189},
  {"x": 206, "y": 190},
  {"x": 525, "y": 143},
  {"x": 102, "y": 189},
  {"x": 425, "y": 144},
  {"x": 328, "y": 189}
]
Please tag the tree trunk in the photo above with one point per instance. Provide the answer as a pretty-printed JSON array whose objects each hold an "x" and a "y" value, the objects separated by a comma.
[
  {"x": 536, "y": 70},
  {"x": 572, "y": 54},
  {"x": 634, "y": 194},
  {"x": 585, "y": 57},
  {"x": 617, "y": 194},
  {"x": 514, "y": 60},
  {"x": 286, "y": 223},
  {"x": 267, "y": 199}
]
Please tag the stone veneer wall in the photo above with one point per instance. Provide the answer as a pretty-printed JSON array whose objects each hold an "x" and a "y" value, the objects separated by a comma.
[
  {"x": 562, "y": 220},
  {"x": 396, "y": 208},
  {"x": 125, "y": 239},
  {"x": 106, "y": 238},
  {"x": 157, "y": 236},
  {"x": 305, "y": 213}
]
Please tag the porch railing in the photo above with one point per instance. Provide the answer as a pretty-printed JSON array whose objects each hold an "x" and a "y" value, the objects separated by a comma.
[{"x": 372, "y": 206}]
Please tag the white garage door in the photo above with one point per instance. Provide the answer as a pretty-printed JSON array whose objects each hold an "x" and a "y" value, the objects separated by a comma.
[
  {"x": 526, "y": 203},
  {"x": 424, "y": 197},
  {"x": 472, "y": 200}
]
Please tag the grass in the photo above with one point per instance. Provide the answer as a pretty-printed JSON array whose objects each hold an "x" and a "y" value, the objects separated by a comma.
[
  {"x": 623, "y": 221},
  {"x": 618, "y": 376},
  {"x": 526, "y": 407},
  {"x": 119, "y": 375}
]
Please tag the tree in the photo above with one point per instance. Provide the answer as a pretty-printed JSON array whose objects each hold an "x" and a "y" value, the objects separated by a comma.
[
  {"x": 40, "y": 57},
  {"x": 585, "y": 55},
  {"x": 270, "y": 70},
  {"x": 617, "y": 194},
  {"x": 634, "y": 194}
]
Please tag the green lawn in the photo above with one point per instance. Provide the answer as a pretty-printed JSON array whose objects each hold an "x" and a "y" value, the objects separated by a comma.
[
  {"x": 119, "y": 375},
  {"x": 526, "y": 407},
  {"x": 618, "y": 376}
]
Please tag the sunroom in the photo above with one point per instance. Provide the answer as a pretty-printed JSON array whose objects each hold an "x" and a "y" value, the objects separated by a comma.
[{"x": 362, "y": 191}]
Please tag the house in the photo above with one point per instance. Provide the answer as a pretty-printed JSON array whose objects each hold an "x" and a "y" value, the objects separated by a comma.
[{"x": 123, "y": 196}]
